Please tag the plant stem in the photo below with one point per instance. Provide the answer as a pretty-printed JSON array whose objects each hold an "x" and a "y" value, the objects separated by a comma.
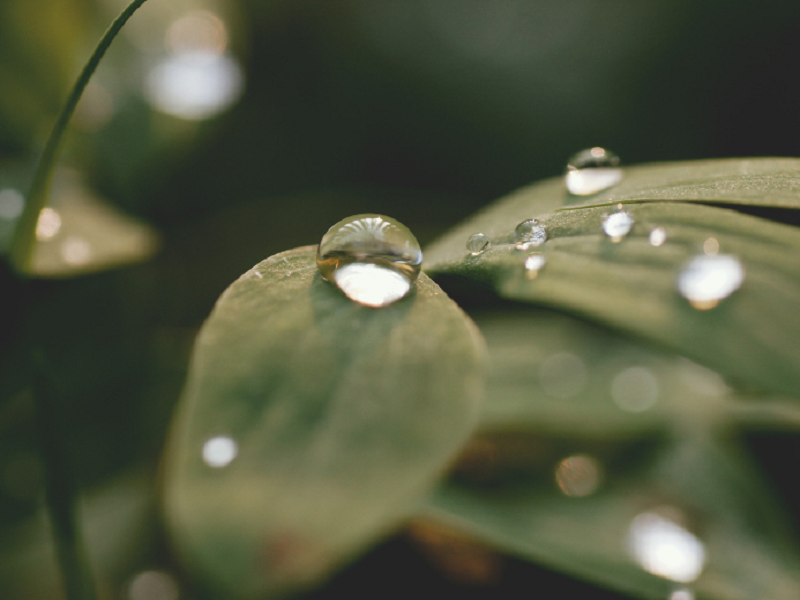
[
  {"x": 61, "y": 494},
  {"x": 25, "y": 234}
]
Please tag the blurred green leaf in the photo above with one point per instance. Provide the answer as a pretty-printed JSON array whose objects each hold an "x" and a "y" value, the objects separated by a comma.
[
  {"x": 80, "y": 233},
  {"x": 751, "y": 337},
  {"x": 342, "y": 416},
  {"x": 704, "y": 487}
]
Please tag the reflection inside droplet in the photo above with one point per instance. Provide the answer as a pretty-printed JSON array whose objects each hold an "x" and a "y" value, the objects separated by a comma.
[
  {"x": 195, "y": 85},
  {"x": 664, "y": 548},
  {"x": 592, "y": 171},
  {"x": 562, "y": 375},
  {"x": 76, "y": 251},
  {"x": 578, "y": 475},
  {"x": 658, "y": 236},
  {"x": 529, "y": 233},
  {"x": 711, "y": 247},
  {"x": 219, "y": 451},
  {"x": 635, "y": 389},
  {"x": 705, "y": 280},
  {"x": 48, "y": 224},
  {"x": 11, "y": 204},
  {"x": 617, "y": 225},
  {"x": 478, "y": 243},
  {"x": 533, "y": 264},
  {"x": 373, "y": 259},
  {"x": 371, "y": 284},
  {"x": 153, "y": 585}
]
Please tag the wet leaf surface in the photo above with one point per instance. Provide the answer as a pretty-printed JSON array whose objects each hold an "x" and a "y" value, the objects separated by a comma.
[{"x": 334, "y": 419}]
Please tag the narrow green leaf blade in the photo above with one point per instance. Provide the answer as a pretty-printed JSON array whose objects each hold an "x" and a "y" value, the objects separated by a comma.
[{"x": 343, "y": 415}]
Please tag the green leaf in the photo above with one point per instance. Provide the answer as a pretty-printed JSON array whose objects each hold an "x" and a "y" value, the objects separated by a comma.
[
  {"x": 703, "y": 486},
  {"x": 343, "y": 415},
  {"x": 85, "y": 234},
  {"x": 653, "y": 432},
  {"x": 751, "y": 337}
]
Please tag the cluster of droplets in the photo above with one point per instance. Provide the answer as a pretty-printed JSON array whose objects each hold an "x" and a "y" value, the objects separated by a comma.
[{"x": 375, "y": 260}]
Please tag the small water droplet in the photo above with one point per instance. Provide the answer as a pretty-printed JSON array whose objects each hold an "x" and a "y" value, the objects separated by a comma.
[
  {"x": 579, "y": 475},
  {"x": 592, "y": 171},
  {"x": 665, "y": 548},
  {"x": 618, "y": 225},
  {"x": 711, "y": 247},
  {"x": 533, "y": 264},
  {"x": 705, "y": 280},
  {"x": 478, "y": 243},
  {"x": 373, "y": 259},
  {"x": 48, "y": 224},
  {"x": 529, "y": 233},
  {"x": 219, "y": 451},
  {"x": 658, "y": 236}
]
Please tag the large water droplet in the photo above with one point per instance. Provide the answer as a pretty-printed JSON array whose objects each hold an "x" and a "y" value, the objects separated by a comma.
[
  {"x": 592, "y": 171},
  {"x": 529, "y": 233},
  {"x": 617, "y": 225},
  {"x": 635, "y": 389},
  {"x": 705, "y": 280},
  {"x": 478, "y": 243},
  {"x": 373, "y": 259},
  {"x": 665, "y": 548}
]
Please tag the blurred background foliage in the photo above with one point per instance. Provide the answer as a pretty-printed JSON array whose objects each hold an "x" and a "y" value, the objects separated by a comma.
[{"x": 425, "y": 110}]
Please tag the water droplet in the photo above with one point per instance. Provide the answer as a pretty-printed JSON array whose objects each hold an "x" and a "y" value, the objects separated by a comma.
[
  {"x": 658, "y": 236},
  {"x": 664, "y": 548},
  {"x": 705, "y": 280},
  {"x": 563, "y": 375},
  {"x": 48, "y": 224},
  {"x": 617, "y": 225},
  {"x": 579, "y": 475},
  {"x": 635, "y": 389},
  {"x": 373, "y": 259},
  {"x": 711, "y": 247},
  {"x": 219, "y": 451},
  {"x": 592, "y": 171},
  {"x": 478, "y": 243},
  {"x": 11, "y": 204},
  {"x": 533, "y": 264},
  {"x": 529, "y": 233}
]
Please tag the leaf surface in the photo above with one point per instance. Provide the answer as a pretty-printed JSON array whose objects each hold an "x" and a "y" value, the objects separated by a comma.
[{"x": 343, "y": 417}]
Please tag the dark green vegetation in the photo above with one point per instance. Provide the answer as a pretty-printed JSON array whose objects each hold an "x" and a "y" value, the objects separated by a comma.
[{"x": 402, "y": 450}]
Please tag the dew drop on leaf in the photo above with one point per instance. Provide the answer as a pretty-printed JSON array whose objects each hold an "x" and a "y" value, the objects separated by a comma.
[
  {"x": 478, "y": 243},
  {"x": 373, "y": 259},
  {"x": 529, "y": 233},
  {"x": 705, "y": 280},
  {"x": 591, "y": 171},
  {"x": 658, "y": 236},
  {"x": 579, "y": 475},
  {"x": 617, "y": 225}
]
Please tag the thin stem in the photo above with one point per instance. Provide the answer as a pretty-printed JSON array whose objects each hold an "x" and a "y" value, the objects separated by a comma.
[
  {"x": 25, "y": 234},
  {"x": 61, "y": 494}
]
